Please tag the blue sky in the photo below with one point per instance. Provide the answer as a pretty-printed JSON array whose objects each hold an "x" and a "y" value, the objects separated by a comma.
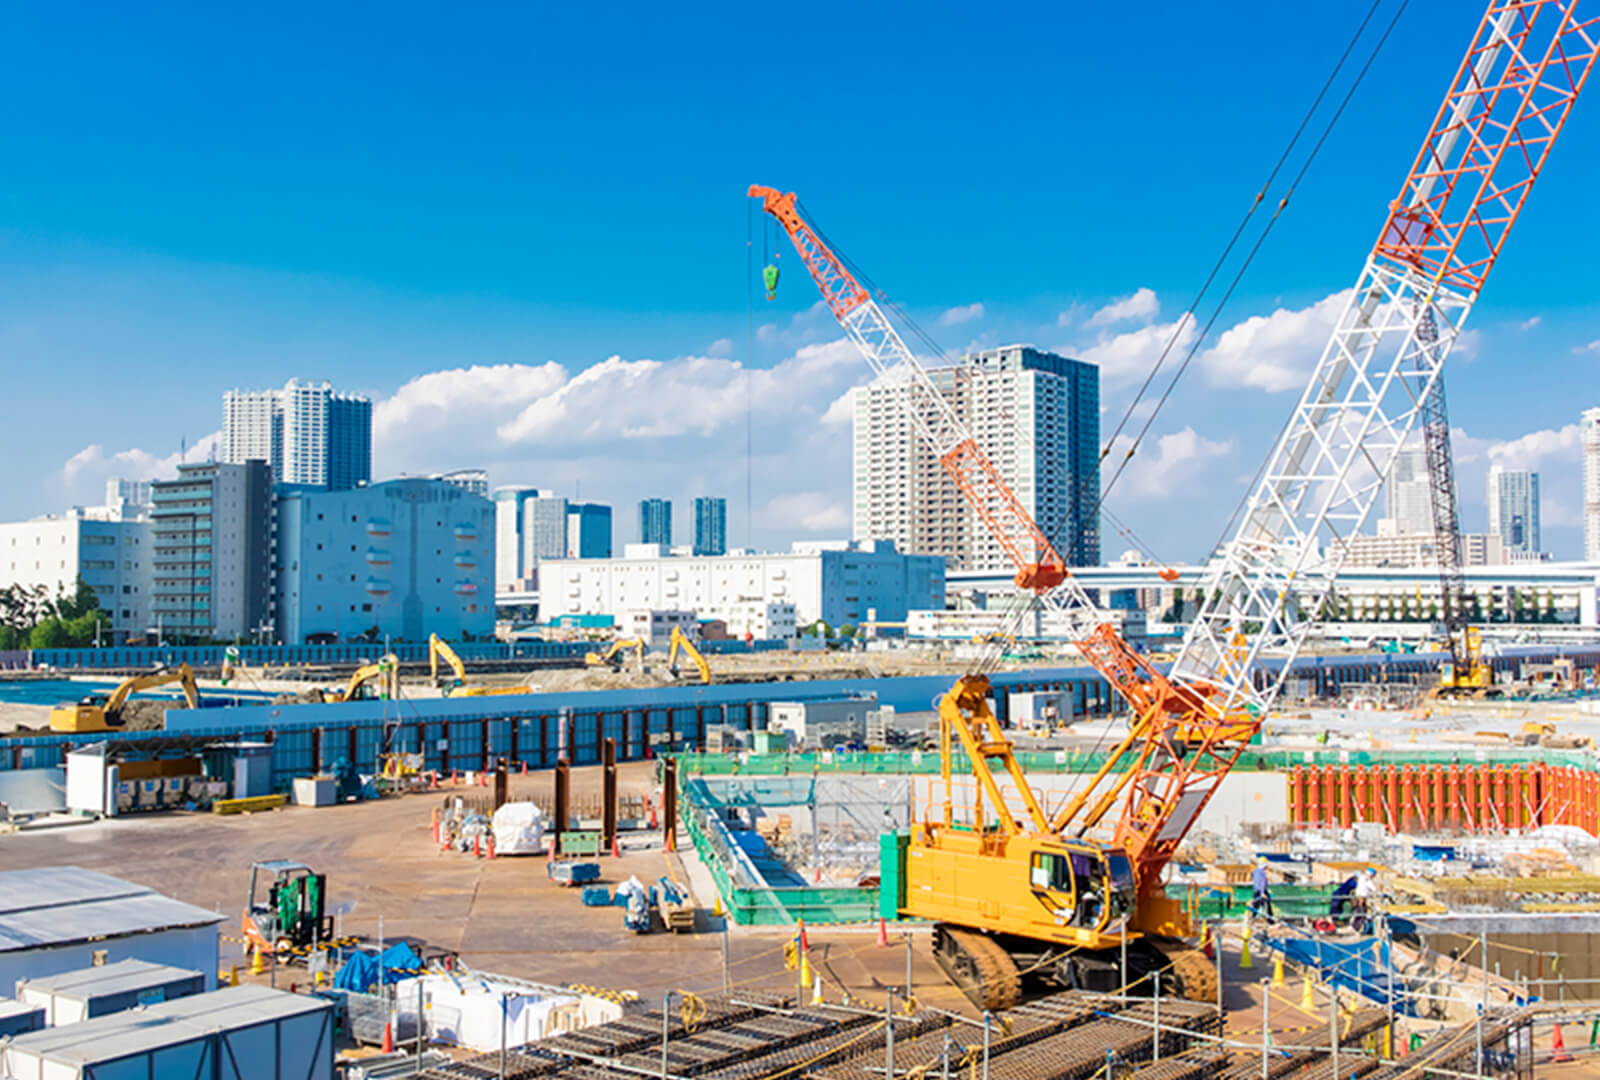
[{"x": 523, "y": 232}]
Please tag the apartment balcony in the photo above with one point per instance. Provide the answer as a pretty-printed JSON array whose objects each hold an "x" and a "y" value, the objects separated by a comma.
[
  {"x": 466, "y": 534},
  {"x": 466, "y": 561},
  {"x": 466, "y": 588},
  {"x": 378, "y": 587},
  {"x": 379, "y": 527},
  {"x": 378, "y": 557}
]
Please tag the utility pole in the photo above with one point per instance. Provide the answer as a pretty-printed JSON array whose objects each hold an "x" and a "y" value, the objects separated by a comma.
[
  {"x": 1266, "y": 1023},
  {"x": 1155, "y": 1027},
  {"x": 666, "y": 999},
  {"x": 888, "y": 1037}
]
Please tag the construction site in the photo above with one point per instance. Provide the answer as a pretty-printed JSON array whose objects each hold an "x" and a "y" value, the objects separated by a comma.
[{"x": 1257, "y": 850}]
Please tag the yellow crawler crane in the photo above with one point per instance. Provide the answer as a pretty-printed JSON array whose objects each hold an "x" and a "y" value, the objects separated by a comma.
[{"x": 1009, "y": 892}]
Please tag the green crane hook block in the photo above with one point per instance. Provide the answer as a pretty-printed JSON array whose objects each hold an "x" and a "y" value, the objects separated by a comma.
[{"x": 769, "y": 277}]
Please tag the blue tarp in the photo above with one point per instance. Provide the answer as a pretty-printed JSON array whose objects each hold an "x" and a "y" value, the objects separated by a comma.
[
  {"x": 360, "y": 972},
  {"x": 1361, "y": 966}
]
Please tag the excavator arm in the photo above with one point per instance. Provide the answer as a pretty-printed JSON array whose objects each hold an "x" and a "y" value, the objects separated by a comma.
[
  {"x": 680, "y": 643},
  {"x": 439, "y": 649},
  {"x": 128, "y": 687},
  {"x": 386, "y": 671}
]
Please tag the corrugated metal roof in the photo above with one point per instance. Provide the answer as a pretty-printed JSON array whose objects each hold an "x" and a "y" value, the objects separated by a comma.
[
  {"x": 134, "y": 1031},
  {"x": 107, "y": 979},
  {"x": 64, "y": 904}
]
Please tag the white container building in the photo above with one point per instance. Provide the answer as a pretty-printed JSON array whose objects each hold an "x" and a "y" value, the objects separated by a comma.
[
  {"x": 74, "y": 996},
  {"x": 61, "y": 918},
  {"x": 825, "y": 723},
  {"x": 242, "y": 1032}
]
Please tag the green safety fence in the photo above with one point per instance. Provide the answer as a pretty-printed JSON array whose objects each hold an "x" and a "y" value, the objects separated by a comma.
[
  {"x": 905, "y": 762},
  {"x": 1232, "y": 901},
  {"x": 767, "y": 905}
]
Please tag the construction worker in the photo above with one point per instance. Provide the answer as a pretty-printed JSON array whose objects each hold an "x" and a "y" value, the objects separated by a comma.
[{"x": 1262, "y": 900}]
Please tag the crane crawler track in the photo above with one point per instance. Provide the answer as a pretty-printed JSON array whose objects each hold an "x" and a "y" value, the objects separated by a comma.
[
  {"x": 979, "y": 967},
  {"x": 1196, "y": 977}
]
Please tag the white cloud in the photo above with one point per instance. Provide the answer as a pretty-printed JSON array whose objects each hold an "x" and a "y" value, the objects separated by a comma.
[
  {"x": 1529, "y": 324},
  {"x": 957, "y": 315},
  {"x": 1070, "y": 315},
  {"x": 808, "y": 511},
  {"x": 1175, "y": 462},
  {"x": 1533, "y": 450},
  {"x": 1274, "y": 352},
  {"x": 720, "y": 347},
  {"x": 841, "y": 411},
  {"x": 437, "y": 403},
  {"x": 1593, "y": 346},
  {"x": 1126, "y": 356},
  {"x": 83, "y": 475},
  {"x": 1141, "y": 306}
]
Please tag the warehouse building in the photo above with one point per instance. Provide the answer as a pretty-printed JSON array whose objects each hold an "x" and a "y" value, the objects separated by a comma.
[{"x": 402, "y": 559}]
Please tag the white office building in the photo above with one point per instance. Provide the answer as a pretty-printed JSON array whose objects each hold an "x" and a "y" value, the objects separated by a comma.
[
  {"x": 1408, "y": 501},
  {"x": 112, "y": 557},
  {"x": 308, "y": 433},
  {"x": 1591, "y": 484},
  {"x": 1513, "y": 498},
  {"x": 1036, "y": 416},
  {"x": 761, "y": 620},
  {"x": 836, "y": 581}
]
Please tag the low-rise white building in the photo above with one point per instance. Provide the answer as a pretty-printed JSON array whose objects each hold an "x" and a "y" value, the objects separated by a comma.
[
  {"x": 1035, "y": 625},
  {"x": 654, "y": 627},
  {"x": 113, "y": 557},
  {"x": 761, "y": 620},
  {"x": 836, "y": 581}
]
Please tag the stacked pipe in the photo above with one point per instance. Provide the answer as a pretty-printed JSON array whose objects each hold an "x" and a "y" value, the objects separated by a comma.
[{"x": 1475, "y": 798}]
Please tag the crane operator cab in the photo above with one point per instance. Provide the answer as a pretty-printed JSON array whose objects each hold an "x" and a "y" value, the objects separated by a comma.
[{"x": 1084, "y": 886}]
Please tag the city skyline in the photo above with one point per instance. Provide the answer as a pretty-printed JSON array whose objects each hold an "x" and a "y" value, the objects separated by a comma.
[{"x": 646, "y": 380}]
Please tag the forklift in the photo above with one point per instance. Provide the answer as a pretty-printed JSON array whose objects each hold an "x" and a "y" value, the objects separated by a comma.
[{"x": 290, "y": 915}]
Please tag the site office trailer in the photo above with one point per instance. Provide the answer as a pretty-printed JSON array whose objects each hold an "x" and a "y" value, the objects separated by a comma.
[
  {"x": 73, "y": 996},
  {"x": 240, "y": 1033}
]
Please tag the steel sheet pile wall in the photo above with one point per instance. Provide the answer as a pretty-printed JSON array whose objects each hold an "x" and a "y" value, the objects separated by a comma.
[{"x": 1452, "y": 798}]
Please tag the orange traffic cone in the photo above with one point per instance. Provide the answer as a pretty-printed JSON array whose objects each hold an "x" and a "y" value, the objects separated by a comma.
[
  {"x": 388, "y": 1037},
  {"x": 435, "y": 824},
  {"x": 491, "y": 846},
  {"x": 1558, "y": 1047},
  {"x": 802, "y": 924},
  {"x": 477, "y": 847},
  {"x": 653, "y": 824},
  {"x": 818, "y": 879},
  {"x": 524, "y": 768},
  {"x": 883, "y": 933},
  {"x": 616, "y": 846}
]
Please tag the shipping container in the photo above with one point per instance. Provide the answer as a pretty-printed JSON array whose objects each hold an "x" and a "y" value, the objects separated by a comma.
[
  {"x": 239, "y": 1033},
  {"x": 78, "y": 995}
]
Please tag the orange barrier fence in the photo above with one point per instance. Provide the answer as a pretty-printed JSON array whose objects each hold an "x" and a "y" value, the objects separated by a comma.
[{"x": 1445, "y": 798}]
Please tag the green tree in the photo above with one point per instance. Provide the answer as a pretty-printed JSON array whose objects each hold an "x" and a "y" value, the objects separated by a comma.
[
  {"x": 49, "y": 633},
  {"x": 82, "y": 601},
  {"x": 1549, "y": 606}
]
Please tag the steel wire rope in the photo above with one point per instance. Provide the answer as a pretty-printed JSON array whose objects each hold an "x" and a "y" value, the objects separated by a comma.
[{"x": 992, "y": 658}]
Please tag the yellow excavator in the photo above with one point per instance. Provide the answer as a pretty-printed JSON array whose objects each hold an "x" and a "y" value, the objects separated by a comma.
[
  {"x": 379, "y": 679},
  {"x": 680, "y": 643},
  {"x": 439, "y": 649},
  {"x": 103, "y": 712},
  {"x": 613, "y": 655}
]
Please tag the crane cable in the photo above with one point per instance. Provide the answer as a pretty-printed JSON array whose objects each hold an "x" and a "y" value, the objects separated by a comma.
[{"x": 1250, "y": 257}]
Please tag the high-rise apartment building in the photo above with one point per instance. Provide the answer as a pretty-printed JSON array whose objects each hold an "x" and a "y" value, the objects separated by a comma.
[
  {"x": 211, "y": 533},
  {"x": 1408, "y": 499},
  {"x": 305, "y": 431},
  {"x": 1036, "y": 415},
  {"x": 1590, "y": 427},
  {"x": 1513, "y": 498},
  {"x": 710, "y": 526},
  {"x": 127, "y": 500},
  {"x": 588, "y": 531},
  {"x": 509, "y": 510},
  {"x": 655, "y": 521}
]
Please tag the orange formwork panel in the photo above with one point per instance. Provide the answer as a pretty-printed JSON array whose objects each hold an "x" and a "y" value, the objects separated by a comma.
[
  {"x": 1405, "y": 795},
  {"x": 1452, "y": 793},
  {"x": 1344, "y": 796},
  {"x": 1501, "y": 821},
  {"x": 1295, "y": 803}
]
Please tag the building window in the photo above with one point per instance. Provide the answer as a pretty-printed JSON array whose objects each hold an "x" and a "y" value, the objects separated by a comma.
[{"x": 366, "y": 607}]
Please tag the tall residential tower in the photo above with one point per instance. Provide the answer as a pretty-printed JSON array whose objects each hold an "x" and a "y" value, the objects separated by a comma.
[
  {"x": 307, "y": 433},
  {"x": 1036, "y": 415},
  {"x": 710, "y": 526},
  {"x": 1513, "y": 498},
  {"x": 1591, "y": 484}
]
